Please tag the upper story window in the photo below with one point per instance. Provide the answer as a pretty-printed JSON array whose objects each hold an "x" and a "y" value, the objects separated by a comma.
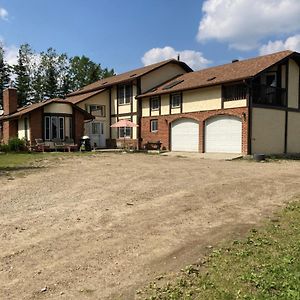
[
  {"x": 234, "y": 92},
  {"x": 124, "y": 94},
  {"x": 154, "y": 103},
  {"x": 271, "y": 80},
  {"x": 176, "y": 100},
  {"x": 97, "y": 110}
]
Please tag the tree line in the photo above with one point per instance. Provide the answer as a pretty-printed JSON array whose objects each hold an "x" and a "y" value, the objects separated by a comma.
[{"x": 47, "y": 75}]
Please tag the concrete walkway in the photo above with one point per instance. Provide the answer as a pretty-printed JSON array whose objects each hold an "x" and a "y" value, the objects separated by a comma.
[{"x": 215, "y": 156}]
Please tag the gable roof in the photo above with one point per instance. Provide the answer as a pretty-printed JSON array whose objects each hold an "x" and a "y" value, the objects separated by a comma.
[
  {"x": 235, "y": 71},
  {"x": 81, "y": 97},
  {"x": 29, "y": 108},
  {"x": 109, "y": 81}
]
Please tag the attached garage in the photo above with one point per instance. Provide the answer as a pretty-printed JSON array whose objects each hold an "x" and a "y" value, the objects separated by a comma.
[
  {"x": 223, "y": 134},
  {"x": 185, "y": 135}
]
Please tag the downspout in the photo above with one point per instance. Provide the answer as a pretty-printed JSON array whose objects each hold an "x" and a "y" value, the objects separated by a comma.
[{"x": 249, "y": 105}]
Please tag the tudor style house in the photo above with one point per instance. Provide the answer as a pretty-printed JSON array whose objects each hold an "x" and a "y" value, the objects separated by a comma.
[
  {"x": 115, "y": 98},
  {"x": 48, "y": 120},
  {"x": 250, "y": 106}
]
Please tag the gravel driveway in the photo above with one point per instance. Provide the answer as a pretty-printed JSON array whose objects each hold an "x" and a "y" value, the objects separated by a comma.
[{"x": 102, "y": 226}]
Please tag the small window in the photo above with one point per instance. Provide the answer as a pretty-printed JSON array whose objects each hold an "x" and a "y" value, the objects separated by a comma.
[
  {"x": 124, "y": 94},
  {"x": 97, "y": 110},
  {"x": 154, "y": 125},
  {"x": 154, "y": 103},
  {"x": 175, "y": 100},
  {"x": 124, "y": 132}
]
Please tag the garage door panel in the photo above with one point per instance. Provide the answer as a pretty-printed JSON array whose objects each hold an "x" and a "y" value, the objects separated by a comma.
[
  {"x": 223, "y": 134},
  {"x": 185, "y": 135}
]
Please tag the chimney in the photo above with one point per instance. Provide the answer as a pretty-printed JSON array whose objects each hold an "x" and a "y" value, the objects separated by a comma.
[
  {"x": 234, "y": 61},
  {"x": 178, "y": 57},
  {"x": 10, "y": 101}
]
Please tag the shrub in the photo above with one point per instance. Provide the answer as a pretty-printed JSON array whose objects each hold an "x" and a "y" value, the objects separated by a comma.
[
  {"x": 4, "y": 148},
  {"x": 16, "y": 145}
]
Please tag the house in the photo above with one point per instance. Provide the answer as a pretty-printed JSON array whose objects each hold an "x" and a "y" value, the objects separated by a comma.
[
  {"x": 112, "y": 99},
  {"x": 47, "y": 120},
  {"x": 249, "y": 106}
]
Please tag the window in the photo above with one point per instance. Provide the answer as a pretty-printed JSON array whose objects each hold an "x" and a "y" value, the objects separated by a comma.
[
  {"x": 97, "y": 110},
  {"x": 234, "y": 92},
  {"x": 95, "y": 128},
  {"x": 175, "y": 100},
  {"x": 124, "y": 94},
  {"x": 154, "y": 103},
  {"x": 271, "y": 80},
  {"x": 55, "y": 127},
  {"x": 124, "y": 132},
  {"x": 47, "y": 128},
  {"x": 154, "y": 125}
]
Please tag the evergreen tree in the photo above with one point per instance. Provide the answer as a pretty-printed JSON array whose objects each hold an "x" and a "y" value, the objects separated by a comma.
[
  {"x": 108, "y": 73},
  {"x": 4, "y": 74},
  {"x": 22, "y": 72}
]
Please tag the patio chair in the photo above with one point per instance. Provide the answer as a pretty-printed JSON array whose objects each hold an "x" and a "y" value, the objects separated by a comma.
[
  {"x": 70, "y": 145},
  {"x": 59, "y": 144},
  {"x": 40, "y": 146}
]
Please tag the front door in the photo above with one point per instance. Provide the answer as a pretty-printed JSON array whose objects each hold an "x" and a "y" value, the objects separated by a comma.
[{"x": 97, "y": 134}]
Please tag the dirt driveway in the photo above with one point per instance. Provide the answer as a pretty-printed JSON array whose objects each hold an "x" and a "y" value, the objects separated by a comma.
[{"x": 101, "y": 227}]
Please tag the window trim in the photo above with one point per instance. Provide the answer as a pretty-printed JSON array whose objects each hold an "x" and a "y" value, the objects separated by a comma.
[
  {"x": 124, "y": 130},
  {"x": 124, "y": 100},
  {"x": 171, "y": 100},
  {"x": 156, "y": 98},
  {"x": 153, "y": 121}
]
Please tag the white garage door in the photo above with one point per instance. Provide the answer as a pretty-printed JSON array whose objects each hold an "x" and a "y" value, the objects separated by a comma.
[
  {"x": 185, "y": 135},
  {"x": 223, "y": 134}
]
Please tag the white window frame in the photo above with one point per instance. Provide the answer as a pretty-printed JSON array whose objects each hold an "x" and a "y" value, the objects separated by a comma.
[
  {"x": 155, "y": 100},
  {"x": 95, "y": 108},
  {"x": 126, "y": 130},
  {"x": 124, "y": 100},
  {"x": 154, "y": 125},
  {"x": 179, "y": 97}
]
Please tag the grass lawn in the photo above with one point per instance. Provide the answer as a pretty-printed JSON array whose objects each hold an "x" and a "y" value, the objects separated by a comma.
[
  {"x": 16, "y": 161},
  {"x": 265, "y": 265}
]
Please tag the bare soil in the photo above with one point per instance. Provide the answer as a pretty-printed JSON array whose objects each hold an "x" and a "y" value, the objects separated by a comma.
[{"x": 103, "y": 226}]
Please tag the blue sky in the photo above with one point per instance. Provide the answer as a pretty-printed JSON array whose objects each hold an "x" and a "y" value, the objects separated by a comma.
[{"x": 127, "y": 34}]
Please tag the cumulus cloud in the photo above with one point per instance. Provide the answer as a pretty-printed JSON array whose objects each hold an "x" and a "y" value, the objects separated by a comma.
[
  {"x": 291, "y": 43},
  {"x": 244, "y": 23},
  {"x": 3, "y": 13},
  {"x": 194, "y": 59},
  {"x": 10, "y": 52}
]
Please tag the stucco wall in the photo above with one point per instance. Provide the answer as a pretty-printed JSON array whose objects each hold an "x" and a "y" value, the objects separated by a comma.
[
  {"x": 58, "y": 108},
  {"x": 235, "y": 103},
  {"x": 160, "y": 75},
  {"x": 100, "y": 99},
  {"x": 268, "y": 129},
  {"x": 293, "y": 141},
  {"x": 293, "y": 84},
  {"x": 21, "y": 129}
]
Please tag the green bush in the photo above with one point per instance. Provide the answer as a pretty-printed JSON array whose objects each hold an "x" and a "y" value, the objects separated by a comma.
[
  {"x": 16, "y": 145},
  {"x": 4, "y": 148}
]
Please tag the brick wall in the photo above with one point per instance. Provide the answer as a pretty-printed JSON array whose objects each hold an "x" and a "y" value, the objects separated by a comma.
[
  {"x": 78, "y": 125},
  {"x": 10, "y": 130},
  {"x": 36, "y": 125},
  {"x": 164, "y": 124}
]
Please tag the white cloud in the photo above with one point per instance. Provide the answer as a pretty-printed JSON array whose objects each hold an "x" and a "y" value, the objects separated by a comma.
[
  {"x": 3, "y": 14},
  {"x": 10, "y": 52},
  {"x": 244, "y": 23},
  {"x": 193, "y": 58},
  {"x": 291, "y": 43}
]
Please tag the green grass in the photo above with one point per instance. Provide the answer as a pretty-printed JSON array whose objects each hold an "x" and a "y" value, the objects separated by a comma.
[
  {"x": 265, "y": 265},
  {"x": 18, "y": 161}
]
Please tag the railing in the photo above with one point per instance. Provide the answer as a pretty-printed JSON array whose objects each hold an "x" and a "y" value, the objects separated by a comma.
[
  {"x": 234, "y": 92},
  {"x": 269, "y": 95}
]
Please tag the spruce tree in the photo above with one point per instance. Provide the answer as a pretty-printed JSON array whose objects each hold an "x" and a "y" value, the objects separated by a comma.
[
  {"x": 4, "y": 74},
  {"x": 22, "y": 72}
]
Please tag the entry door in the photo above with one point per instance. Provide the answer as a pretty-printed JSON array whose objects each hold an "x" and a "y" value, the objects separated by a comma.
[{"x": 97, "y": 134}]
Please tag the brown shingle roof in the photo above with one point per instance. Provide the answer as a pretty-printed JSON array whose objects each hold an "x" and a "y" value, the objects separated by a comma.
[
  {"x": 236, "y": 71},
  {"x": 29, "y": 108},
  {"x": 100, "y": 84},
  {"x": 81, "y": 97}
]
